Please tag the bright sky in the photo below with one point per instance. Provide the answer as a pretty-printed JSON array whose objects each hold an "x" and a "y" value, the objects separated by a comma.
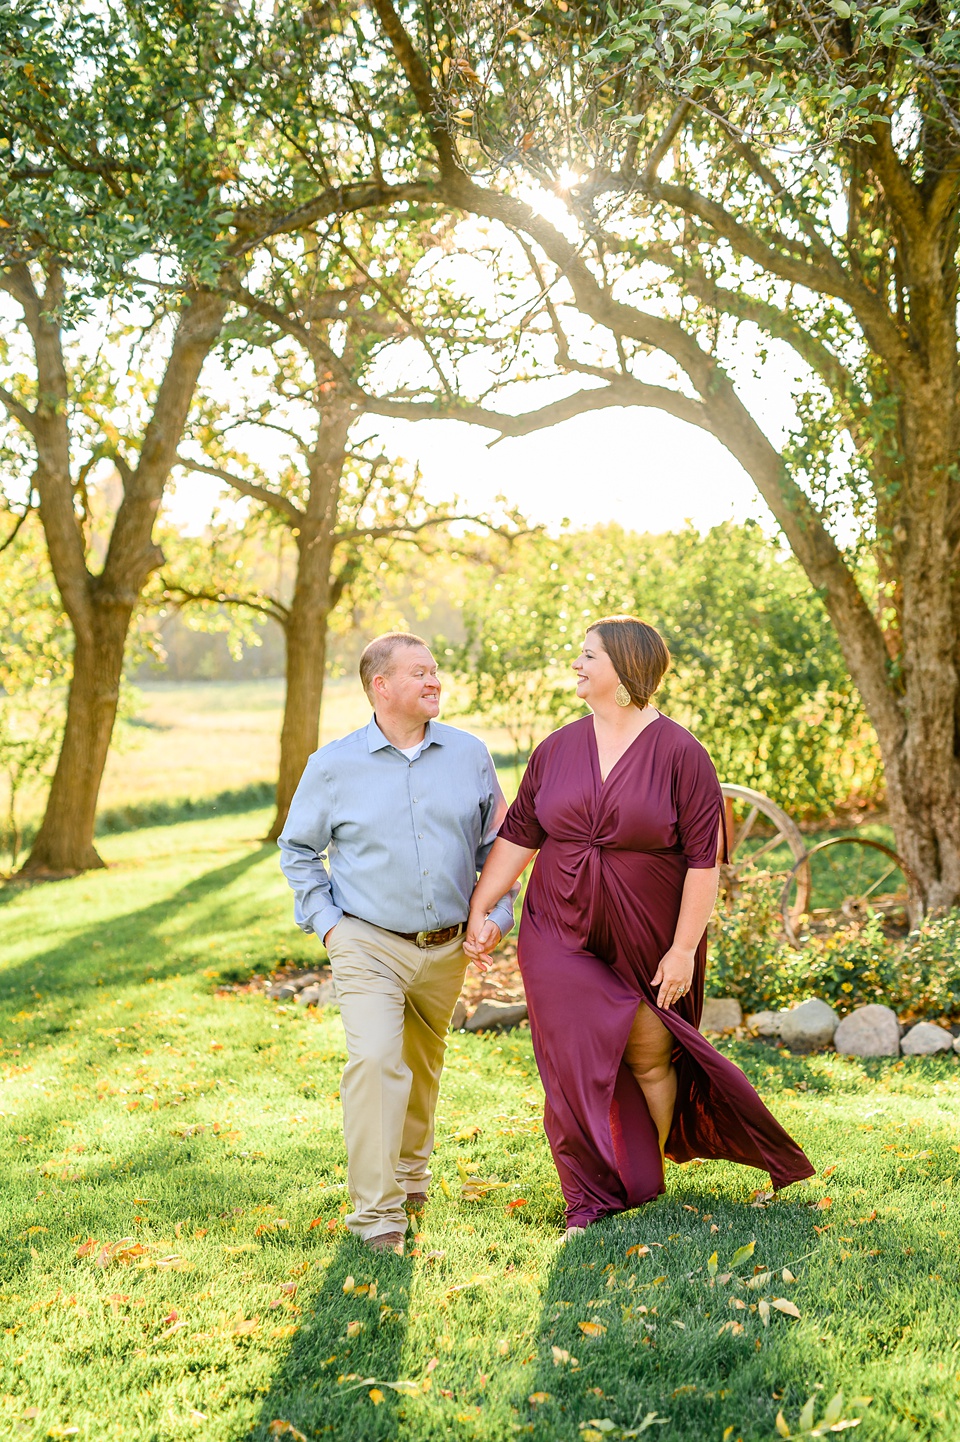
[{"x": 641, "y": 468}]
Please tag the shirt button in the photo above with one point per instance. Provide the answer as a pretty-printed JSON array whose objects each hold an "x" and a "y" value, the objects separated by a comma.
[
  {"x": 426, "y": 873},
  {"x": 419, "y": 835},
  {"x": 414, "y": 798},
  {"x": 429, "y": 905}
]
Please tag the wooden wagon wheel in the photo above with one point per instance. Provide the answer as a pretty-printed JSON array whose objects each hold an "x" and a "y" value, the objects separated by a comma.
[
  {"x": 753, "y": 856},
  {"x": 856, "y": 894}
]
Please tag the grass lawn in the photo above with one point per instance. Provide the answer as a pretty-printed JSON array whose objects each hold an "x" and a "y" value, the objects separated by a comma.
[{"x": 173, "y": 1264}]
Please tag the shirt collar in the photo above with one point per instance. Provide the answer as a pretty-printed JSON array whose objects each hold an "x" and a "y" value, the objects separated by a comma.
[{"x": 376, "y": 741}]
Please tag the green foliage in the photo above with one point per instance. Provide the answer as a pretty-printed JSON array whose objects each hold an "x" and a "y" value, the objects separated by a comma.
[
  {"x": 929, "y": 968},
  {"x": 749, "y": 958},
  {"x": 853, "y": 966},
  {"x": 757, "y": 673}
]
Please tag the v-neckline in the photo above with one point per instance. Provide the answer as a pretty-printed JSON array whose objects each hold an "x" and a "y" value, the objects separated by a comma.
[{"x": 601, "y": 779}]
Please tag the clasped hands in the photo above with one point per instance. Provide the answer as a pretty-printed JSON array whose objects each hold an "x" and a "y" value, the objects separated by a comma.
[{"x": 481, "y": 937}]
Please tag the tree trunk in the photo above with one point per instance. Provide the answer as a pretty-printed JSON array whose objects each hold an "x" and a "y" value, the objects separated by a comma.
[
  {"x": 922, "y": 763},
  {"x": 64, "y": 843},
  {"x": 100, "y": 608},
  {"x": 305, "y": 633}
]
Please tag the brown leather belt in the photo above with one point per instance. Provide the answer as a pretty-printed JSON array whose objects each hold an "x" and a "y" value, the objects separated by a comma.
[{"x": 423, "y": 938}]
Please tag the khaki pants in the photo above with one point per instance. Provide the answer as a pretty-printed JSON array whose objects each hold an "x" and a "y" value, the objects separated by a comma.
[{"x": 396, "y": 1000}]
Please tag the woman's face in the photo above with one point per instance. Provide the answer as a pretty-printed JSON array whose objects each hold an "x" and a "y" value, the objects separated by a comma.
[{"x": 596, "y": 678}]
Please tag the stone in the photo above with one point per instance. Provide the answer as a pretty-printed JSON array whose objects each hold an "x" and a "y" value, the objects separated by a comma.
[
  {"x": 925, "y": 1039},
  {"x": 283, "y": 990},
  {"x": 765, "y": 1023},
  {"x": 497, "y": 1015},
  {"x": 459, "y": 1019},
  {"x": 721, "y": 1013},
  {"x": 869, "y": 1031},
  {"x": 308, "y": 995},
  {"x": 809, "y": 1026}
]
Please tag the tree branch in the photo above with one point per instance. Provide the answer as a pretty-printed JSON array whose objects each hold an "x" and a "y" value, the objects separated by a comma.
[
  {"x": 181, "y": 596},
  {"x": 19, "y": 412},
  {"x": 621, "y": 391},
  {"x": 282, "y": 505},
  {"x": 420, "y": 83}
]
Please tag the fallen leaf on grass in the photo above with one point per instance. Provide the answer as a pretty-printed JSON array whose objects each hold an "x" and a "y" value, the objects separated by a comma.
[
  {"x": 712, "y": 1264},
  {"x": 354, "y": 1328},
  {"x": 592, "y": 1329},
  {"x": 285, "y": 1429},
  {"x": 475, "y": 1281},
  {"x": 638, "y": 1250},
  {"x": 759, "y": 1281},
  {"x": 831, "y": 1421},
  {"x": 538, "y": 1397},
  {"x": 829, "y": 1171},
  {"x": 517, "y": 1202},
  {"x": 787, "y": 1275},
  {"x": 782, "y": 1305},
  {"x": 742, "y": 1253},
  {"x": 562, "y": 1358},
  {"x": 824, "y": 1204},
  {"x": 433, "y": 1257},
  {"x": 763, "y": 1307},
  {"x": 376, "y": 1396},
  {"x": 733, "y": 1327},
  {"x": 467, "y": 1134}
]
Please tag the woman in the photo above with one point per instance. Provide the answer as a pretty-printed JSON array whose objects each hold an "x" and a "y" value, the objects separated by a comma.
[{"x": 626, "y": 812}]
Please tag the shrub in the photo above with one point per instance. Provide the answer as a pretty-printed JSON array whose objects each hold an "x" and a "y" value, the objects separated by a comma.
[
  {"x": 851, "y": 966},
  {"x": 928, "y": 982},
  {"x": 749, "y": 957}
]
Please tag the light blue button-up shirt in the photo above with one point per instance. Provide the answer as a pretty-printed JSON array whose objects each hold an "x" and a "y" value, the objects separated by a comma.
[{"x": 402, "y": 840}]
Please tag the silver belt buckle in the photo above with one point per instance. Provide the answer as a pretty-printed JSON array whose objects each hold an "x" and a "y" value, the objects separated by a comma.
[{"x": 422, "y": 938}]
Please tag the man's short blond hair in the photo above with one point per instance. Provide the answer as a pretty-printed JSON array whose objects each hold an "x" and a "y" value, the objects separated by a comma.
[{"x": 377, "y": 657}]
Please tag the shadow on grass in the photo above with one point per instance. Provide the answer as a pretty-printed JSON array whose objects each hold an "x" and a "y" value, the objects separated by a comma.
[
  {"x": 683, "y": 1355},
  {"x": 128, "y": 948},
  {"x": 305, "y": 1390}
]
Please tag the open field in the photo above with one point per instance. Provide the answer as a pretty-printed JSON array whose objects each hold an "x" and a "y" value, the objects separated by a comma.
[
  {"x": 192, "y": 740},
  {"x": 201, "y": 1132}
]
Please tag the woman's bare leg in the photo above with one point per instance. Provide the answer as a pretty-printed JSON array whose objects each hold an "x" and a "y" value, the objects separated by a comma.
[{"x": 647, "y": 1054}]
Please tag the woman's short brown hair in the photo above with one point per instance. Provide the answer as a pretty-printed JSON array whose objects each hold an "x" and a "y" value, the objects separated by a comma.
[{"x": 638, "y": 652}]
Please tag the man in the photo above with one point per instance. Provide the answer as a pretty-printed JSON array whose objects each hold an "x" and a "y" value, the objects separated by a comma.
[{"x": 406, "y": 810}]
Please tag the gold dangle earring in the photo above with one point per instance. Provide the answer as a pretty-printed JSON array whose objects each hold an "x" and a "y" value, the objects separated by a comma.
[{"x": 622, "y": 695}]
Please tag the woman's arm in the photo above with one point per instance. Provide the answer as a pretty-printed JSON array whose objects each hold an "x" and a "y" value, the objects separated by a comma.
[
  {"x": 675, "y": 972},
  {"x": 500, "y": 870}
]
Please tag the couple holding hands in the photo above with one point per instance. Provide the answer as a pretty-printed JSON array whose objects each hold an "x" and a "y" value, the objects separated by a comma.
[{"x": 624, "y": 814}]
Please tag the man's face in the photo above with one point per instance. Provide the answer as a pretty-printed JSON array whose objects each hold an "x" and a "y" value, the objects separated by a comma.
[{"x": 411, "y": 687}]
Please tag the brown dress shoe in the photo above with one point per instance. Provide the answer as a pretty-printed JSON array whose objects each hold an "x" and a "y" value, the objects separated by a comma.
[
  {"x": 416, "y": 1201},
  {"x": 386, "y": 1242}
]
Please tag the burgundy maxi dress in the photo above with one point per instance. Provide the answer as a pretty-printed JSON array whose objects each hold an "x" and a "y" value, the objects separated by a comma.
[{"x": 601, "y": 910}]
